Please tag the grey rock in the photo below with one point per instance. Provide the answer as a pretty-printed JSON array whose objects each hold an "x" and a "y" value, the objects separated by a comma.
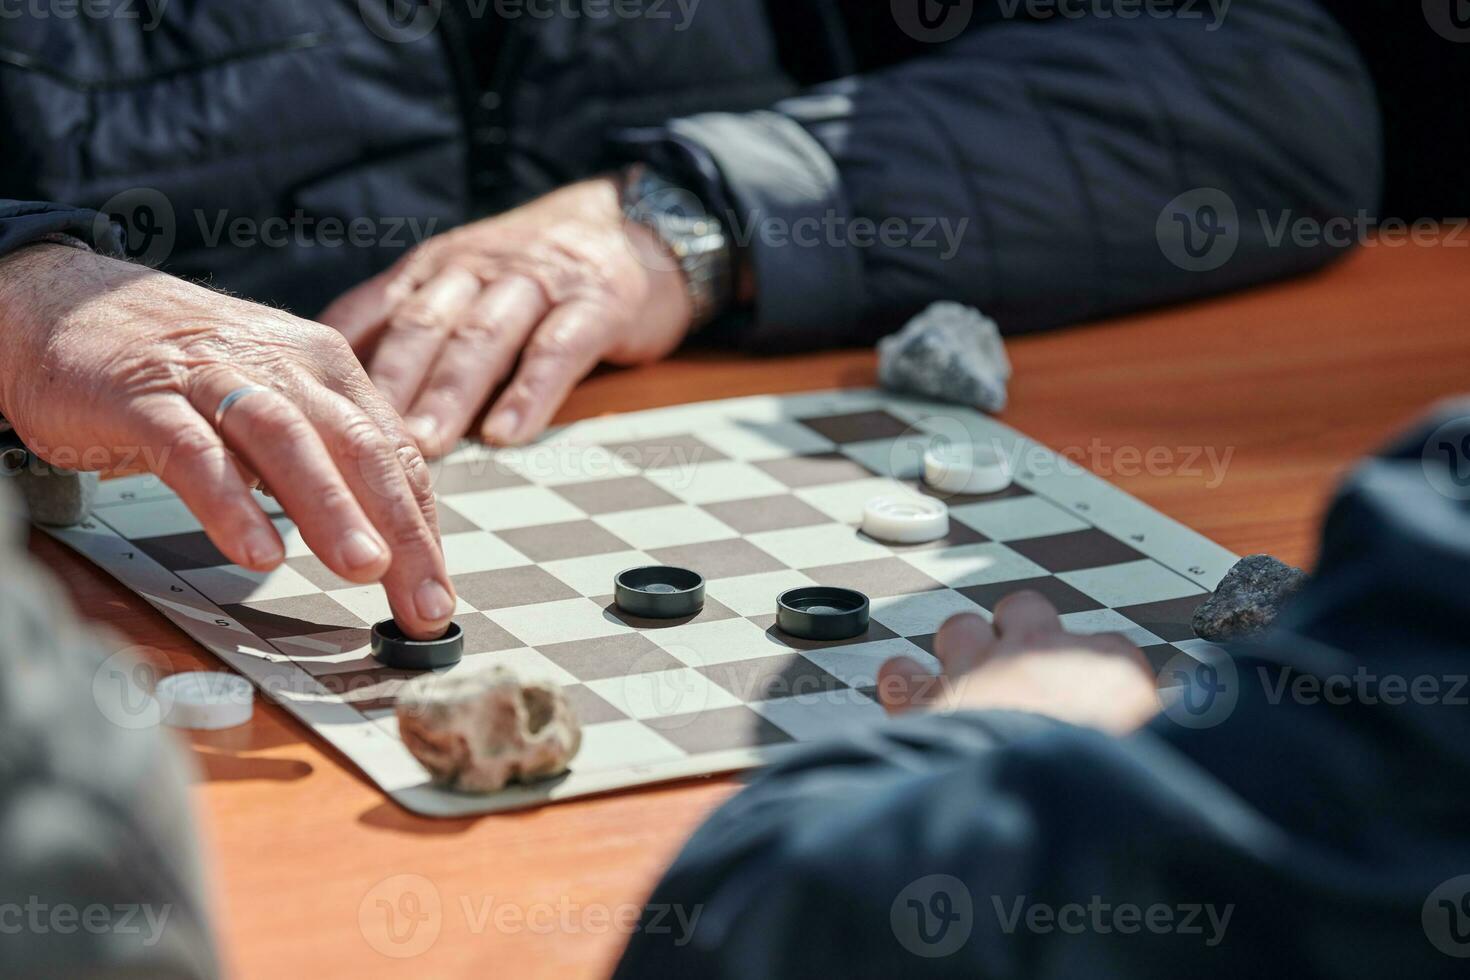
[
  {"x": 950, "y": 352},
  {"x": 478, "y": 730},
  {"x": 1247, "y": 599},
  {"x": 55, "y": 497}
]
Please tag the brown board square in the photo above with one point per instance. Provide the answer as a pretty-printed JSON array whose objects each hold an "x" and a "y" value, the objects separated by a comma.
[
  {"x": 589, "y": 706},
  {"x": 452, "y": 521},
  {"x": 756, "y": 514},
  {"x": 665, "y": 452},
  {"x": 613, "y": 496},
  {"x": 470, "y": 475},
  {"x": 182, "y": 552},
  {"x": 876, "y": 578},
  {"x": 1059, "y": 593},
  {"x": 858, "y": 426},
  {"x": 766, "y": 678},
  {"x": 300, "y": 615},
  {"x": 1075, "y": 550},
  {"x": 482, "y": 635},
  {"x": 571, "y": 539},
  {"x": 609, "y": 656},
  {"x": 718, "y": 730},
  {"x": 504, "y": 587},
  {"x": 814, "y": 470},
  {"x": 719, "y": 559},
  {"x": 1170, "y": 620},
  {"x": 311, "y": 568}
]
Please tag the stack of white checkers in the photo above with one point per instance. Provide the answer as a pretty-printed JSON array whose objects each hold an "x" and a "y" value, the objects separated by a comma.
[{"x": 966, "y": 469}]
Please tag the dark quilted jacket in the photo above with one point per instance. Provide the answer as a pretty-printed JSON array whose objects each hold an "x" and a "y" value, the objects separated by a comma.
[{"x": 1030, "y": 159}]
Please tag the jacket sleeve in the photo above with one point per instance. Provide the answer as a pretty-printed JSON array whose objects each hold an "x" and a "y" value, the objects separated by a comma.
[
  {"x": 1296, "y": 822},
  {"x": 1026, "y": 168},
  {"x": 26, "y": 222},
  {"x": 99, "y": 867}
]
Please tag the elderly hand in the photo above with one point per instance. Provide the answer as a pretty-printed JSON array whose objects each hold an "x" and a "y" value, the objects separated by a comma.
[
  {"x": 1025, "y": 661},
  {"x": 562, "y": 283},
  {"x": 107, "y": 361}
]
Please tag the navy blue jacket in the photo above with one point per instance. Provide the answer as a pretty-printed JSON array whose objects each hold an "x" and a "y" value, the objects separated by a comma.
[
  {"x": 1304, "y": 814},
  {"x": 1029, "y": 161}
]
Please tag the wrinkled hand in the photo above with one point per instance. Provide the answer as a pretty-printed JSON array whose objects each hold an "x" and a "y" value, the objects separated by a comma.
[
  {"x": 561, "y": 284},
  {"x": 108, "y": 363},
  {"x": 1026, "y": 661}
]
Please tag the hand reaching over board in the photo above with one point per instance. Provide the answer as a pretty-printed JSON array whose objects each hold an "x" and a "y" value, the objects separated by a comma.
[
  {"x": 539, "y": 296},
  {"x": 109, "y": 362},
  {"x": 1026, "y": 661}
]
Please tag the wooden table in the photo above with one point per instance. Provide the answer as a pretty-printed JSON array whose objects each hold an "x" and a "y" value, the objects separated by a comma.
[{"x": 1292, "y": 382}]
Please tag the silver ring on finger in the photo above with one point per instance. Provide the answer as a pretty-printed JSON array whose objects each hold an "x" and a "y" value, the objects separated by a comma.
[{"x": 228, "y": 402}]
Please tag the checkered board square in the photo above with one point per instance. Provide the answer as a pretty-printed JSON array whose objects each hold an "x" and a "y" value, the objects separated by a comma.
[{"x": 758, "y": 494}]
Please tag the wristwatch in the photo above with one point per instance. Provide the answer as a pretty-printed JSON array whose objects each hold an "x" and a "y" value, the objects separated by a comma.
[{"x": 695, "y": 237}]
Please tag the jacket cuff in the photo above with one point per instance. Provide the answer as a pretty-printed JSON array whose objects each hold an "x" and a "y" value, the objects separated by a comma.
[
  {"x": 785, "y": 199},
  {"x": 25, "y": 223}
]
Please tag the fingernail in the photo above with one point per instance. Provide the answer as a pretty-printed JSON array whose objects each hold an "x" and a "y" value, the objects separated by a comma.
[
  {"x": 504, "y": 426},
  {"x": 262, "y": 549},
  {"x": 422, "y": 429},
  {"x": 433, "y": 602},
  {"x": 359, "y": 550}
]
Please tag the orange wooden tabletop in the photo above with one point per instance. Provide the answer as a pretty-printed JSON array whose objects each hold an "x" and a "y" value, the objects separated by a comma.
[{"x": 1252, "y": 406}]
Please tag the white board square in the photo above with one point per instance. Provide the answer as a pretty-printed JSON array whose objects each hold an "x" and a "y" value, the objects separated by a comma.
[
  {"x": 662, "y": 693},
  {"x": 1108, "y": 621},
  {"x": 152, "y": 518},
  {"x": 710, "y": 483},
  {"x": 617, "y": 745},
  {"x": 231, "y": 583},
  {"x": 899, "y": 459},
  {"x": 1016, "y": 518},
  {"x": 845, "y": 501},
  {"x": 923, "y": 612},
  {"x": 818, "y": 545},
  {"x": 525, "y": 662},
  {"x": 828, "y": 714},
  {"x": 557, "y": 622},
  {"x": 477, "y": 551},
  {"x": 857, "y": 664},
  {"x": 1130, "y": 583},
  {"x": 495, "y": 510},
  {"x": 369, "y": 603},
  {"x": 719, "y": 642},
  {"x": 593, "y": 575},
  {"x": 665, "y": 527},
  {"x": 755, "y": 595},
  {"x": 973, "y": 564},
  {"x": 751, "y": 439}
]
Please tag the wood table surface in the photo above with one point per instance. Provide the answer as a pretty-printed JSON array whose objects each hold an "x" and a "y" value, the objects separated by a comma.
[{"x": 1285, "y": 385}]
